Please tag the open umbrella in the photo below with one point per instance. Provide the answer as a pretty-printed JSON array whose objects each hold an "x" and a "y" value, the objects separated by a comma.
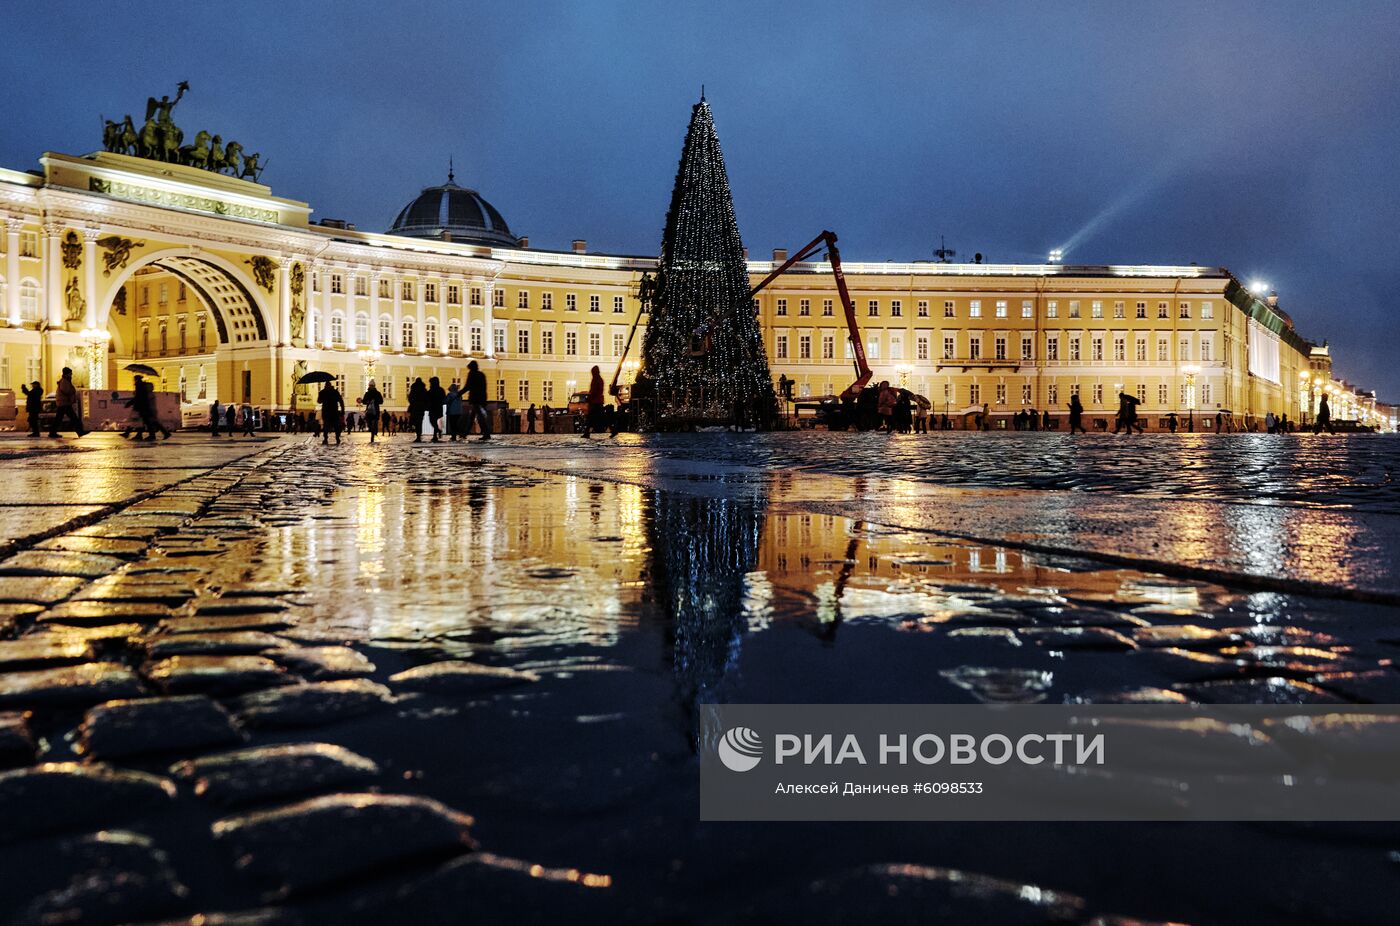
[
  {"x": 316, "y": 377},
  {"x": 142, "y": 369}
]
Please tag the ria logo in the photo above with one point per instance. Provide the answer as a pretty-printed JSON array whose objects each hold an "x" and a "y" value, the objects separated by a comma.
[{"x": 740, "y": 749}]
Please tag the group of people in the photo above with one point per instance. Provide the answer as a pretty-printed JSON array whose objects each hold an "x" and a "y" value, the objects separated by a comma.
[
  {"x": 65, "y": 405},
  {"x": 452, "y": 410}
]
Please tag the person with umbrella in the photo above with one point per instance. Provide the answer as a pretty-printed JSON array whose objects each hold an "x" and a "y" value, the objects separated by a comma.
[
  {"x": 1127, "y": 413},
  {"x": 332, "y": 412}
]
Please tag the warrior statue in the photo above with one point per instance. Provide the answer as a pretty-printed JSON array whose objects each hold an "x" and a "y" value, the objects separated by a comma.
[{"x": 160, "y": 137}]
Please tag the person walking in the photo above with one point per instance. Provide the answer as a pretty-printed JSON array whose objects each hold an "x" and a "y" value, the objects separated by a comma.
[
  {"x": 144, "y": 403},
  {"x": 1324, "y": 417},
  {"x": 453, "y": 410},
  {"x": 216, "y": 414},
  {"x": 33, "y": 405},
  {"x": 332, "y": 412},
  {"x": 435, "y": 399},
  {"x": 249, "y": 421},
  {"x": 1219, "y": 422},
  {"x": 66, "y": 402},
  {"x": 476, "y": 400},
  {"x": 230, "y": 418},
  {"x": 530, "y": 418},
  {"x": 373, "y": 401},
  {"x": 1076, "y": 414},
  {"x": 386, "y": 422},
  {"x": 1127, "y": 413},
  {"x": 594, "y": 421},
  {"x": 417, "y": 402}
]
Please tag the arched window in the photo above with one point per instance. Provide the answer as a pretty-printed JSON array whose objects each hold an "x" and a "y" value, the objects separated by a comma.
[
  {"x": 337, "y": 328},
  {"x": 29, "y": 301},
  {"x": 454, "y": 336},
  {"x": 386, "y": 331},
  {"x": 408, "y": 333},
  {"x": 430, "y": 334},
  {"x": 476, "y": 338},
  {"x": 362, "y": 329},
  {"x": 203, "y": 383}
]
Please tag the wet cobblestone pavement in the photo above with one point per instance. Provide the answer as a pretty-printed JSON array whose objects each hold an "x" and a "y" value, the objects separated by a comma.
[{"x": 425, "y": 683}]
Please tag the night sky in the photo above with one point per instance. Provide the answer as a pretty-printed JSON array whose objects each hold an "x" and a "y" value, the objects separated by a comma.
[{"x": 1264, "y": 137}]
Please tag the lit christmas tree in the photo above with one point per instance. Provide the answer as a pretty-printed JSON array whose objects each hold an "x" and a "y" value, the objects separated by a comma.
[{"x": 703, "y": 354}]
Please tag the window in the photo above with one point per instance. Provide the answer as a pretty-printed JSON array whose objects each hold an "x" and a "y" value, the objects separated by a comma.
[
  {"x": 999, "y": 346},
  {"x": 474, "y": 338},
  {"x": 974, "y": 308},
  {"x": 1162, "y": 310},
  {"x": 896, "y": 308},
  {"x": 949, "y": 346},
  {"x": 1052, "y": 309},
  {"x": 1025, "y": 393},
  {"x": 974, "y": 347},
  {"x": 804, "y": 347},
  {"x": 203, "y": 383},
  {"x": 454, "y": 294},
  {"x": 180, "y": 293},
  {"x": 28, "y": 244},
  {"x": 523, "y": 390},
  {"x": 1096, "y": 349},
  {"x": 1074, "y": 309},
  {"x": 804, "y": 308},
  {"x": 547, "y": 342},
  {"x": 500, "y": 390},
  {"x": 1183, "y": 354},
  {"x": 828, "y": 347},
  {"x": 386, "y": 331},
  {"x": 1098, "y": 394},
  {"x": 617, "y": 305},
  {"x": 1001, "y": 308},
  {"x": 164, "y": 293},
  {"x": 337, "y": 329},
  {"x": 1027, "y": 345},
  {"x": 1052, "y": 347},
  {"x": 337, "y": 285},
  {"x": 782, "y": 307},
  {"x": 595, "y": 344},
  {"x": 547, "y": 301},
  {"x": 571, "y": 344},
  {"x": 1074, "y": 349},
  {"x": 921, "y": 348},
  {"x": 454, "y": 335},
  {"x": 1096, "y": 309},
  {"x": 1162, "y": 395},
  {"x": 476, "y": 295},
  {"x": 896, "y": 347},
  {"x": 872, "y": 349},
  {"x": 203, "y": 333},
  {"x": 145, "y": 296},
  {"x": 974, "y": 394},
  {"x": 1182, "y": 399},
  {"x": 547, "y": 390},
  {"x": 408, "y": 333},
  {"x": 522, "y": 341},
  {"x": 1052, "y": 394},
  {"x": 1207, "y": 311},
  {"x": 1027, "y": 309},
  {"x": 827, "y": 308},
  {"x": 1205, "y": 350},
  {"x": 1186, "y": 310},
  {"x": 1001, "y": 393},
  {"x": 873, "y": 308},
  {"x": 181, "y": 329},
  {"x": 406, "y": 291},
  {"x": 780, "y": 347},
  {"x": 1142, "y": 310},
  {"x": 361, "y": 287},
  {"x": 570, "y": 302},
  {"x": 522, "y": 300},
  {"x": 1120, "y": 348},
  {"x": 362, "y": 329},
  {"x": 949, "y": 311},
  {"x": 595, "y": 304},
  {"x": 498, "y": 339},
  {"x": 1141, "y": 392},
  {"x": 923, "y": 308},
  {"x": 430, "y": 333},
  {"x": 1119, "y": 311},
  {"x": 619, "y": 343},
  {"x": 1205, "y": 393},
  {"x": 1142, "y": 350},
  {"x": 498, "y": 298}
]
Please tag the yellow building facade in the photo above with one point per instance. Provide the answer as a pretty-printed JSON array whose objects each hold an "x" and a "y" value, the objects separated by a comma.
[{"x": 232, "y": 292}]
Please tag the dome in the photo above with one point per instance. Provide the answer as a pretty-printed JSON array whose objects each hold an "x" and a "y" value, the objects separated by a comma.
[{"x": 451, "y": 212}]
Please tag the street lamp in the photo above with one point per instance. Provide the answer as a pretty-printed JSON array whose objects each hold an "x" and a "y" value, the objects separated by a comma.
[
  {"x": 1258, "y": 287},
  {"x": 370, "y": 358},
  {"x": 1190, "y": 374},
  {"x": 96, "y": 341}
]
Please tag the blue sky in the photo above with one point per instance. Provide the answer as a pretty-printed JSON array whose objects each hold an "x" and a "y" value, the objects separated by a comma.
[{"x": 1261, "y": 137}]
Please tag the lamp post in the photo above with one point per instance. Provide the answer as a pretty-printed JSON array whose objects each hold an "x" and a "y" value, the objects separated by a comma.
[
  {"x": 1190, "y": 373},
  {"x": 95, "y": 339},
  {"x": 1305, "y": 393},
  {"x": 370, "y": 358}
]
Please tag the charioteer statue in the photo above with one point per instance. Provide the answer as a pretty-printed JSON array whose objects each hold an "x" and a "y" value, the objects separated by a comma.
[{"x": 160, "y": 139}]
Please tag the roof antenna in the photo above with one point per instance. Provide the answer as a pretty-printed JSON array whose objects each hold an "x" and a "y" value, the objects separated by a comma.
[
  {"x": 451, "y": 177},
  {"x": 702, "y": 93}
]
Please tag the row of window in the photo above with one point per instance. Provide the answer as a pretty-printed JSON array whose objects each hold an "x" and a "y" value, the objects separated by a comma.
[
  {"x": 409, "y": 333},
  {"x": 201, "y": 326},
  {"x": 453, "y": 293},
  {"x": 1187, "y": 394},
  {"x": 1001, "y": 308},
  {"x": 28, "y": 244},
  {"x": 999, "y": 344}
]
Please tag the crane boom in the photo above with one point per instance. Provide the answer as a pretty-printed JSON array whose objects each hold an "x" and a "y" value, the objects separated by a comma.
[{"x": 827, "y": 239}]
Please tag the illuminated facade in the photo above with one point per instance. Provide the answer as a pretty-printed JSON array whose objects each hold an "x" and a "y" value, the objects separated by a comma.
[{"x": 232, "y": 292}]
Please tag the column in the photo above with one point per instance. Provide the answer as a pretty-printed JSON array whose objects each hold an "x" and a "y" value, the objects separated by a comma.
[
  {"x": 12, "y": 225},
  {"x": 488, "y": 314},
  {"x": 90, "y": 274},
  {"x": 323, "y": 274},
  {"x": 396, "y": 284},
  {"x": 284, "y": 300},
  {"x": 352, "y": 308},
  {"x": 442, "y": 315},
  {"x": 53, "y": 282},
  {"x": 373, "y": 311}
]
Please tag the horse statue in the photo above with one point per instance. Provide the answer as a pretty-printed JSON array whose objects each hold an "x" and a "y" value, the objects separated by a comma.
[
  {"x": 170, "y": 137},
  {"x": 149, "y": 141},
  {"x": 233, "y": 157},
  {"x": 216, "y": 154},
  {"x": 197, "y": 155},
  {"x": 128, "y": 139}
]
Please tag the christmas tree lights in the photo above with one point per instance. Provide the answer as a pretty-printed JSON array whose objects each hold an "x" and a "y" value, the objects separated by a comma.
[{"x": 703, "y": 352}]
